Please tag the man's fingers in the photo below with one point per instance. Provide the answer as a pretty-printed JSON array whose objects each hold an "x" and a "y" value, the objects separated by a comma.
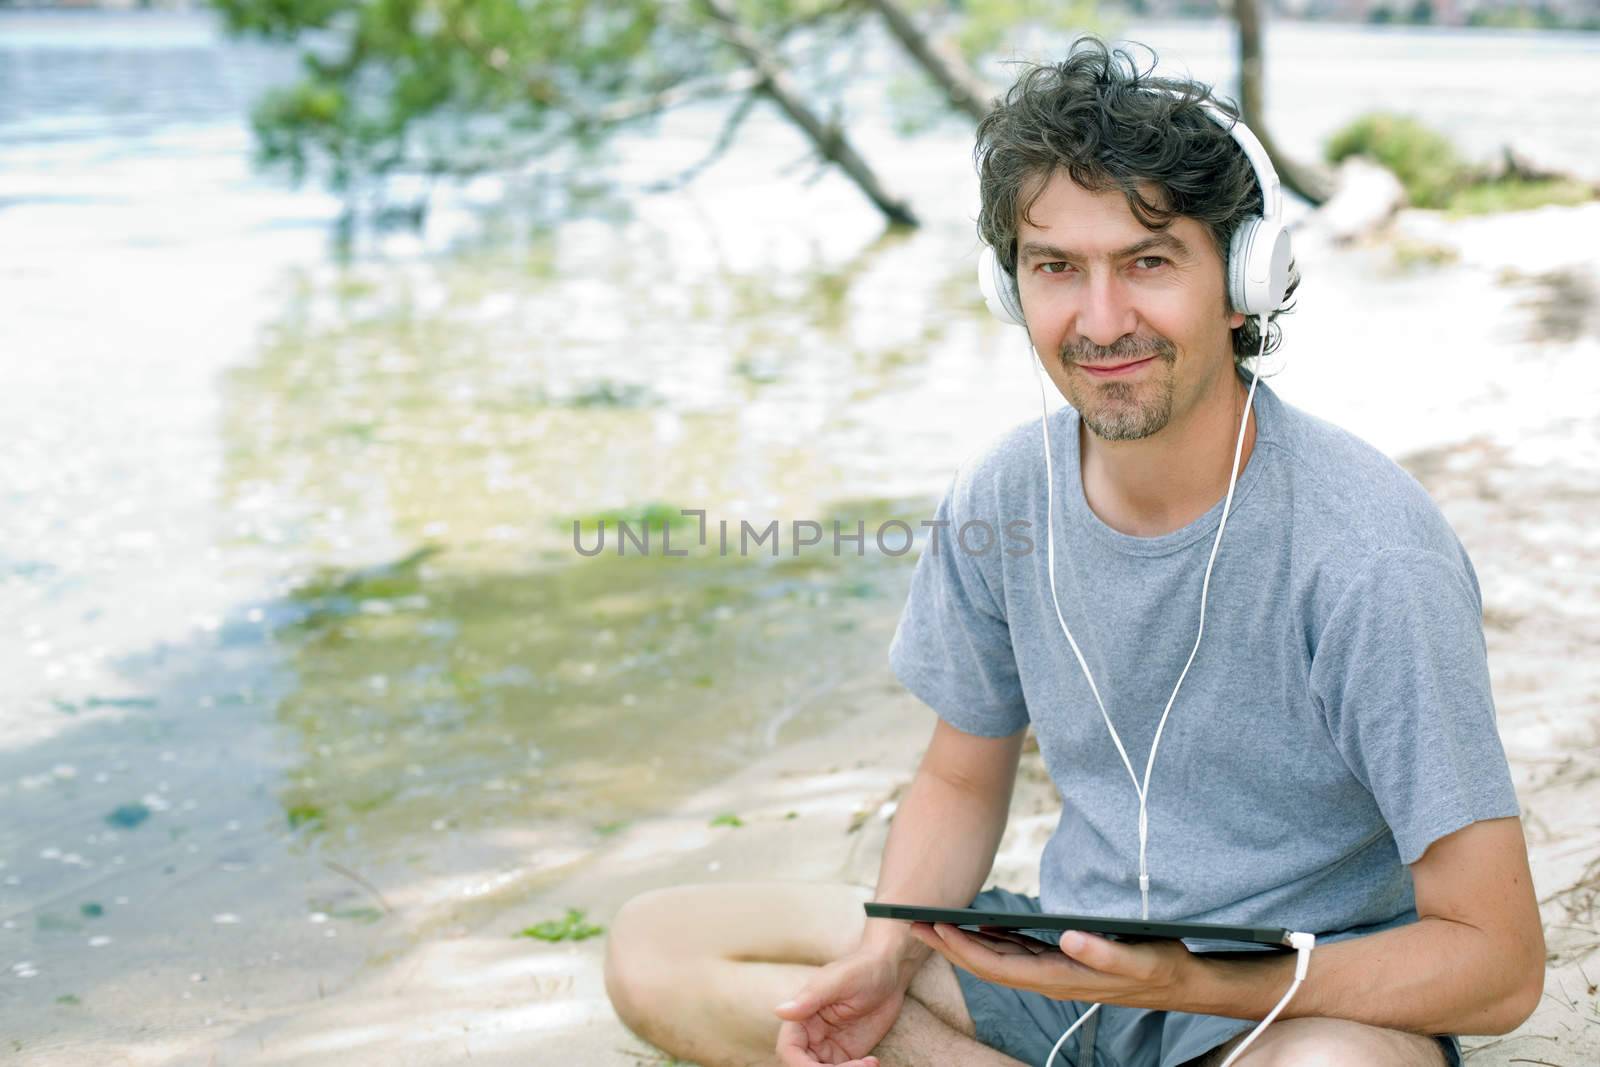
[
  {"x": 1098, "y": 953},
  {"x": 792, "y": 1047},
  {"x": 1032, "y": 944},
  {"x": 1016, "y": 968},
  {"x": 794, "y": 1050},
  {"x": 1006, "y": 946},
  {"x": 795, "y": 1008},
  {"x": 963, "y": 947}
]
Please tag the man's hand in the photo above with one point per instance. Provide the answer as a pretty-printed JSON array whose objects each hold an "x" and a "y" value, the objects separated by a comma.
[
  {"x": 841, "y": 1013},
  {"x": 1084, "y": 967}
]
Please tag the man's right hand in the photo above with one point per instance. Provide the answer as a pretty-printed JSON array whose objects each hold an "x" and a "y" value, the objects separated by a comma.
[{"x": 842, "y": 1013}]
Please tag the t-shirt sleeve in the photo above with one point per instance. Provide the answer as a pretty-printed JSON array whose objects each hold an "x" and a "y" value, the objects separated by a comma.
[
  {"x": 952, "y": 647},
  {"x": 1402, "y": 675}
]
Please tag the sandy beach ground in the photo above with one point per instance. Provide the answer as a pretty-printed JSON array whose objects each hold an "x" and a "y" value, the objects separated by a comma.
[{"x": 1523, "y": 495}]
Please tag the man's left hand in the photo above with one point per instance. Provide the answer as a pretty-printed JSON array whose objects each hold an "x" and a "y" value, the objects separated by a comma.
[{"x": 1148, "y": 974}]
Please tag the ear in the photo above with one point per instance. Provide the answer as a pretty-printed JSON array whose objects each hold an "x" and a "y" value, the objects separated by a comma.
[{"x": 1236, "y": 320}]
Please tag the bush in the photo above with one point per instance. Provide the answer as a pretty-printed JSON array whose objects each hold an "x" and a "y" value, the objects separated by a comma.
[
  {"x": 1425, "y": 161},
  {"x": 1435, "y": 176}
]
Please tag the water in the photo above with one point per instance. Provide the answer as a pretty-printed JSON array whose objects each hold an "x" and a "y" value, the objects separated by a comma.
[{"x": 303, "y": 666}]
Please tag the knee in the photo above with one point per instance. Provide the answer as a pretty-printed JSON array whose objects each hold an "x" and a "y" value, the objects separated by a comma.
[
  {"x": 626, "y": 943},
  {"x": 1339, "y": 1043},
  {"x": 634, "y": 956}
]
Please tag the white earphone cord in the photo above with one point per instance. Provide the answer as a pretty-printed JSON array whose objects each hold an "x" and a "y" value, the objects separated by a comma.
[{"x": 1303, "y": 947}]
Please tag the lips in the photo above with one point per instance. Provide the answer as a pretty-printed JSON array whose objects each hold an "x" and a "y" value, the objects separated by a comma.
[{"x": 1108, "y": 370}]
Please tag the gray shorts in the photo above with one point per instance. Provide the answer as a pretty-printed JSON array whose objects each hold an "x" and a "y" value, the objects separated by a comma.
[{"x": 1026, "y": 1025}]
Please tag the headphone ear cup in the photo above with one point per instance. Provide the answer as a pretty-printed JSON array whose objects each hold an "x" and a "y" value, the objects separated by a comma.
[
  {"x": 1238, "y": 259},
  {"x": 1258, "y": 267},
  {"x": 1275, "y": 252},
  {"x": 999, "y": 288}
]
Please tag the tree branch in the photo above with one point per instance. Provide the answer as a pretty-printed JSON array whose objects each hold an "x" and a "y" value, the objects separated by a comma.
[
  {"x": 963, "y": 87},
  {"x": 724, "y": 140},
  {"x": 673, "y": 96},
  {"x": 829, "y": 140}
]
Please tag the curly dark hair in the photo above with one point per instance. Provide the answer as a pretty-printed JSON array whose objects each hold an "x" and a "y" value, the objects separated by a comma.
[{"x": 1111, "y": 126}]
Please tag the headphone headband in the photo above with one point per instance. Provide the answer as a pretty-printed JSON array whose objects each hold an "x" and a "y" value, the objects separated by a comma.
[{"x": 1266, "y": 173}]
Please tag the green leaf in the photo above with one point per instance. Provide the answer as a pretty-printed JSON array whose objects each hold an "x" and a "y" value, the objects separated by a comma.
[
  {"x": 303, "y": 814},
  {"x": 570, "y": 927}
]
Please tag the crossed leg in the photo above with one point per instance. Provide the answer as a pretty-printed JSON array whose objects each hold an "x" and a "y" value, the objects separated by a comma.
[{"x": 695, "y": 970}]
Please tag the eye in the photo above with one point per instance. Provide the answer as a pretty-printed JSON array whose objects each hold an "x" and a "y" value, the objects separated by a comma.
[
  {"x": 1045, "y": 267},
  {"x": 1157, "y": 260}
]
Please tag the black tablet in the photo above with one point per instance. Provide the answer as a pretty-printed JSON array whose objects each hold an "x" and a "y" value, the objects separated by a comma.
[{"x": 1117, "y": 929}]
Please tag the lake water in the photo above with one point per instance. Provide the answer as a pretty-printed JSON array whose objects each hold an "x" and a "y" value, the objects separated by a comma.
[{"x": 300, "y": 662}]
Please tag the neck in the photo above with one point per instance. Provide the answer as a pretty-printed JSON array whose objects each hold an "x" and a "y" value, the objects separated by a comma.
[{"x": 1162, "y": 483}]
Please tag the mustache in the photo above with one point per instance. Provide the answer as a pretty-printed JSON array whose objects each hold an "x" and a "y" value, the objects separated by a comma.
[{"x": 1122, "y": 352}]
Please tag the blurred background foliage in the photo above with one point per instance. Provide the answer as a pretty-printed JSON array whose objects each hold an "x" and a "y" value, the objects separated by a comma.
[
  {"x": 1436, "y": 176},
  {"x": 436, "y": 89}
]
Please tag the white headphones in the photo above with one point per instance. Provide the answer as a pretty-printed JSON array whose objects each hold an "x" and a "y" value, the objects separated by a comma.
[{"x": 1258, "y": 255}]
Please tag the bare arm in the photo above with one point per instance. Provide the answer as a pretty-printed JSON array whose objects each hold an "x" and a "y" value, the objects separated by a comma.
[
  {"x": 1473, "y": 963},
  {"x": 945, "y": 833}
]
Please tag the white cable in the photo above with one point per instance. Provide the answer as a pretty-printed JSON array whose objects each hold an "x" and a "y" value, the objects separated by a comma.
[
  {"x": 1070, "y": 1030},
  {"x": 1205, "y": 588},
  {"x": 1050, "y": 551},
  {"x": 1303, "y": 944}
]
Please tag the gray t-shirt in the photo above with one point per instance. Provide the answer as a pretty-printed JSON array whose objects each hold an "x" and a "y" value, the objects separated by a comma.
[{"x": 1336, "y": 721}]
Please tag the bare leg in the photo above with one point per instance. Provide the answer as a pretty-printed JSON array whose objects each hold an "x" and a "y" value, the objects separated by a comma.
[
  {"x": 1313, "y": 1040},
  {"x": 696, "y": 971}
]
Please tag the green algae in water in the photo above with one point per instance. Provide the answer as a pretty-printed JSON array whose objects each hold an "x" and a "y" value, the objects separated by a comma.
[
  {"x": 484, "y": 669},
  {"x": 651, "y": 516},
  {"x": 306, "y": 815},
  {"x": 127, "y": 816},
  {"x": 361, "y": 914},
  {"x": 67, "y": 707},
  {"x": 396, "y": 578},
  {"x": 608, "y": 394},
  {"x": 728, "y": 818},
  {"x": 570, "y": 927}
]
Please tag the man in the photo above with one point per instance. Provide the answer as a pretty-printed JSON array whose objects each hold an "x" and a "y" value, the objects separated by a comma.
[{"x": 1331, "y": 764}]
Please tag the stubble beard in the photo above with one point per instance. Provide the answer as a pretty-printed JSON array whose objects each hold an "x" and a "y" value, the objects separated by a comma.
[{"x": 1121, "y": 410}]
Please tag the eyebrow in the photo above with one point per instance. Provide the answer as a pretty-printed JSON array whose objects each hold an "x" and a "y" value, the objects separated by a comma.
[{"x": 1034, "y": 250}]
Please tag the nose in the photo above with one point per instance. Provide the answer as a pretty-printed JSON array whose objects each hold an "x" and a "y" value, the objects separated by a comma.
[{"x": 1105, "y": 314}]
